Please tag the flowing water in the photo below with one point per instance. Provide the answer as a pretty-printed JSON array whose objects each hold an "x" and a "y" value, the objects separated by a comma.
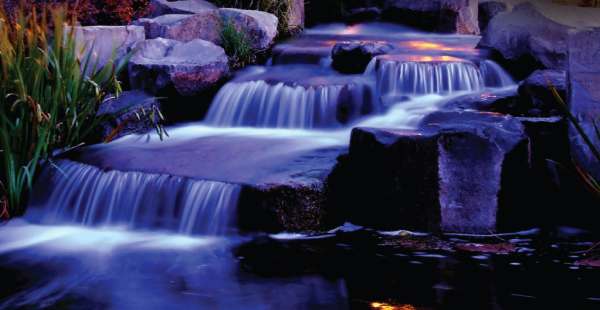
[{"x": 102, "y": 238}]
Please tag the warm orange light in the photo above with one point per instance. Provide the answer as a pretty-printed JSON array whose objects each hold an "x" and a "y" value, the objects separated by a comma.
[
  {"x": 350, "y": 30},
  {"x": 425, "y": 45},
  {"x": 432, "y": 46},
  {"x": 421, "y": 58},
  {"x": 385, "y": 306}
]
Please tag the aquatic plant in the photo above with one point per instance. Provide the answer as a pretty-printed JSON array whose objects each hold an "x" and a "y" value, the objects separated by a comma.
[
  {"x": 236, "y": 45},
  {"x": 47, "y": 100}
]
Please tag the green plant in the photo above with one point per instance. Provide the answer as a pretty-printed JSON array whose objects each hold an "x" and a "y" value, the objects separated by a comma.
[
  {"x": 236, "y": 45},
  {"x": 47, "y": 102}
]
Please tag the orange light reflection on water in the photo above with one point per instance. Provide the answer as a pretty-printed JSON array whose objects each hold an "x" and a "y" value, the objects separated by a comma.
[
  {"x": 421, "y": 58},
  {"x": 385, "y": 306},
  {"x": 432, "y": 46}
]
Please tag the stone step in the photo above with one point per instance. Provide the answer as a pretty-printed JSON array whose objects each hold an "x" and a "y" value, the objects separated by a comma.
[{"x": 283, "y": 179}]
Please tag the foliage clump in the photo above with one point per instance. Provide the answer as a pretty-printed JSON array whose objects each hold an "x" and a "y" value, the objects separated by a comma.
[
  {"x": 48, "y": 101},
  {"x": 236, "y": 45},
  {"x": 89, "y": 12}
]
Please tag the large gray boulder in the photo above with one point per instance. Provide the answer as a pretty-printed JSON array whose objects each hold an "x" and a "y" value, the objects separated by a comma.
[
  {"x": 460, "y": 172},
  {"x": 102, "y": 42},
  {"x": 162, "y": 7},
  {"x": 584, "y": 101},
  {"x": 260, "y": 27},
  {"x": 205, "y": 25},
  {"x": 163, "y": 66},
  {"x": 452, "y": 16}
]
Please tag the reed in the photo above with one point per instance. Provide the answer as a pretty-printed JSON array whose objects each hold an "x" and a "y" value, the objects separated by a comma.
[
  {"x": 47, "y": 101},
  {"x": 590, "y": 182},
  {"x": 236, "y": 46}
]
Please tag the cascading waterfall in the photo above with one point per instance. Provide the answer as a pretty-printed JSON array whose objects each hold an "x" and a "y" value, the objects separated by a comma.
[
  {"x": 82, "y": 194},
  {"x": 413, "y": 76},
  {"x": 494, "y": 75},
  {"x": 262, "y": 104}
]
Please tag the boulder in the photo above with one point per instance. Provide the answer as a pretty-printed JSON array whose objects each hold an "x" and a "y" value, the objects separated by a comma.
[
  {"x": 584, "y": 101},
  {"x": 460, "y": 172},
  {"x": 535, "y": 91},
  {"x": 163, "y": 7},
  {"x": 103, "y": 41},
  {"x": 353, "y": 57},
  {"x": 205, "y": 25},
  {"x": 488, "y": 9},
  {"x": 451, "y": 16},
  {"x": 526, "y": 35},
  {"x": 130, "y": 113},
  {"x": 260, "y": 27},
  {"x": 163, "y": 66},
  {"x": 533, "y": 34}
]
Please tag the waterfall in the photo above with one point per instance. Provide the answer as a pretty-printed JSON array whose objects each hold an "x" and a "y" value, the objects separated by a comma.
[
  {"x": 406, "y": 75},
  {"x": 494, "y": 75},
  {"x": 262, "y": 104},
  {"x": 82, "y": 194}
]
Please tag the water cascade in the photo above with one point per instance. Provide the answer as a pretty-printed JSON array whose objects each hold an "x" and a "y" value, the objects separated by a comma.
[
  {"x": 260, "y": 103},
  {"x": 422, "y": 75},
  {"x": 81, "y": 194},
  {"x": 494, "y": 75}
]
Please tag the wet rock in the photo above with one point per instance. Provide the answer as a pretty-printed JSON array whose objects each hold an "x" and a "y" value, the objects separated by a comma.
[
  {"x": 129, "y": 114},
  {"x": 102, "y": 41},
  {"x": 461, "y": 172},
  {"x": 163, "y": 7},
  {"x": 488, "y": 9},
  {"x": 504, "y": 101},
  {"x": 452, "y": 16},
  {"x": 353, "y": 57},
  {"x": 260, "y": 27},
  {"x": 536, "y": 91},
  {"x": 584, "y": 101},
  {"x": 205, "y": 25},
  {"x": 163, "y": 66}
]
